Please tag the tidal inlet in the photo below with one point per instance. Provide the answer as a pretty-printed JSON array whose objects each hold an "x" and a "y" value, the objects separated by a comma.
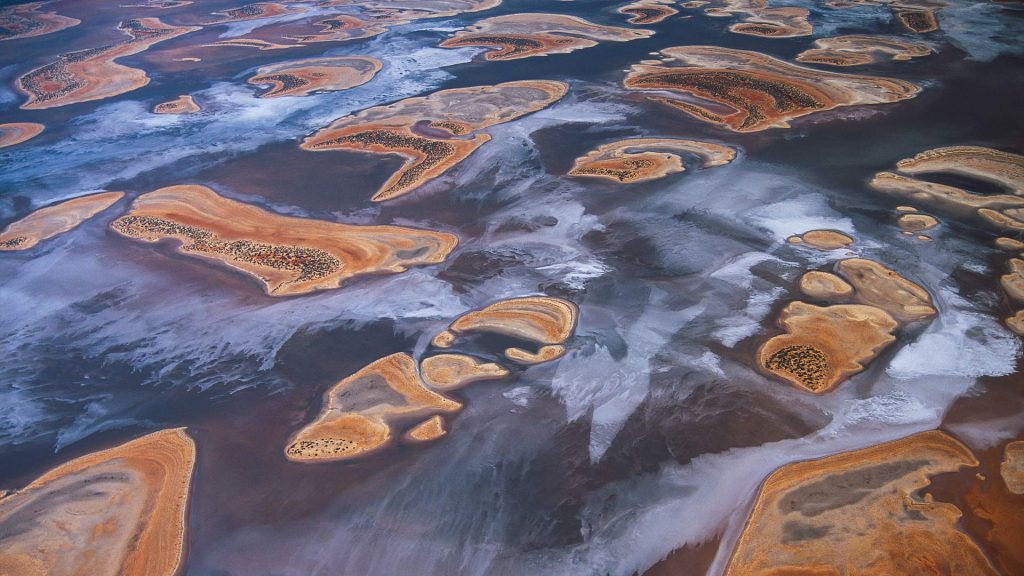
[{"x": 512, "y": 287}]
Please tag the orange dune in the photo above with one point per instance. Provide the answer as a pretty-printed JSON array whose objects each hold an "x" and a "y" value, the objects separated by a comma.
[
  {"x": 17, "y": 132},
  {"x": 824, "y": 286},
  {"x": 917, "y": 222},
  {"x": 882, "y": 287},
  {"x": 362, "y": 413},
  {"x": 748, "y": 91},
  {"x": 327, "y": 74},
  {"x": 515, "y": 36},
  {"x": 287, "y": 255},
  {"x": 119, "y": 512},
  {"x": 52, "y": 220},
  {"x": 822, "y": 239},
  {"x": 433, "y": 133},
  {"x": 183, "y": 104},
  {"x": 1012, "y": 467},
  {"x": 861, "y": 512},
  {"x": 824, "y": 346},
  {"x": 447, "y": 372},
  {"x": 857, "y": 49},
  {"x": 27, "y": 21},
  {"x": 94, "y": 74},
  {"x": 648, "y": 11},
  {"x": 427, "y": 431},
  {"x": 1013, "y": 282},
  {"x": 638, "y": 159}
]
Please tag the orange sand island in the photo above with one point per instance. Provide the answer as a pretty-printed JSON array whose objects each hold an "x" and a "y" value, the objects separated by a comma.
[
  {"x": 433, "y": 133},
  {"x": 377, "y": 16},
  {"x": 882, "y": 287},
  {"x": 822, "y": 239},
  {"x": 18, "y": 132},
  {"x": 515, "y": 36},
  {"x": 183, "y": 104},
  {"x": 446, "y": 372},
  {"x": 748, "y": 91},
  {"x": 643, "y": 159},
  {"x": 254, "y": 12},
  {"x": 761, "y": 20},
  {"x": 861, "y": 512},
  {"x": 648, "y": 11},
  {"x": 287, "y": 255},
  {"x": 119, "y": 512},
  {"x": 857, "y": 49},
  {"x": 824, "y": 286},
  {"x": 364, "y": 412},
  {"x": 93, "y": 74},
  {"x": 27, "y": 20},
  {"x": 53, "y": 220},
  {"x": 303, "y": 77},
  {"x": 1012, "y": 467},
  {"x": 995, "y": 166}
]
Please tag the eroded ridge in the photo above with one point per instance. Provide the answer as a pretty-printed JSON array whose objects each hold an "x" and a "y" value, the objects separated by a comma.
[
  {"x": 94, "y": 74},
  {"x": 53, "y": 220},
  {"x": 363, "y": 413},
  {"x": 119, "y": 512},
  {"x": 515, "y": 36},
  {"x": 303, "y": 77},
  {"x": 183, "y": 104},
  {"x": 861, "y": 512},
  {"x": 643, "y": 159},
  {"x": 748, "y": 91},
  {"x": 648, "y": 11},
  {"x": 759, "y": 19},
  {"x": 858, "y": 49},
  {"x": 287, "y": 255},
  {"x": 433, "y": 133},
  {"x": 28, "y": 20},
  {"x": 17, "y": 132}
]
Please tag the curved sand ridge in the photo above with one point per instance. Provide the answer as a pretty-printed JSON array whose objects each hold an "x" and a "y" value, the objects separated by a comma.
[
  {"x": 52, "y": 220},
  {"x": 17, "y": 132},
  {"x": 542, "y": 320},
  {"x": 303, "y": 77},
  {"x": 119, "y": 512},
  {"x": 823, "y": 346},
  {"x": 1013, "y": 282},
  {"x": 748, "y": 91},
  {"x": 433, "y": 133},
  {"x": 516, "y": 36},
  {"x": 648, "y": 11},
  {"x": 183, "y": 104},
  {"x": 637, "y": 159},
  {"x": 824, "y": 286},
  {"x": 1012, "y": 467},
  {"x": 377, "y": 16},
  {"x": 27, "y": 20},
  {"x": 93, "y": 74},
  {"x": 365, "y": 412},
  {"x": 362, "y": 413},
  {"x": 287, "y": 255},
  {"x": 987, "y": 164},
  {"x": 822, "y": 239},
  {"x": 858, "y": 49},
  {"x": 912, "y": 223},
  {"x": 861, "y": 512},
  {"x": 761, "y": 20}
]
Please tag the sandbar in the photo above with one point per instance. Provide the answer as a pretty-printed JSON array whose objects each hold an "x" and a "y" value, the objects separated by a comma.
[
  {"x": 53, "y": 220},
  {"x": 644, "y": 159},
  {"x": 17, "y": 132},
  {"x": 183, "y": 104},
  {"x": 326, "y": 74},
  {"x": 287, "y": 255}
]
